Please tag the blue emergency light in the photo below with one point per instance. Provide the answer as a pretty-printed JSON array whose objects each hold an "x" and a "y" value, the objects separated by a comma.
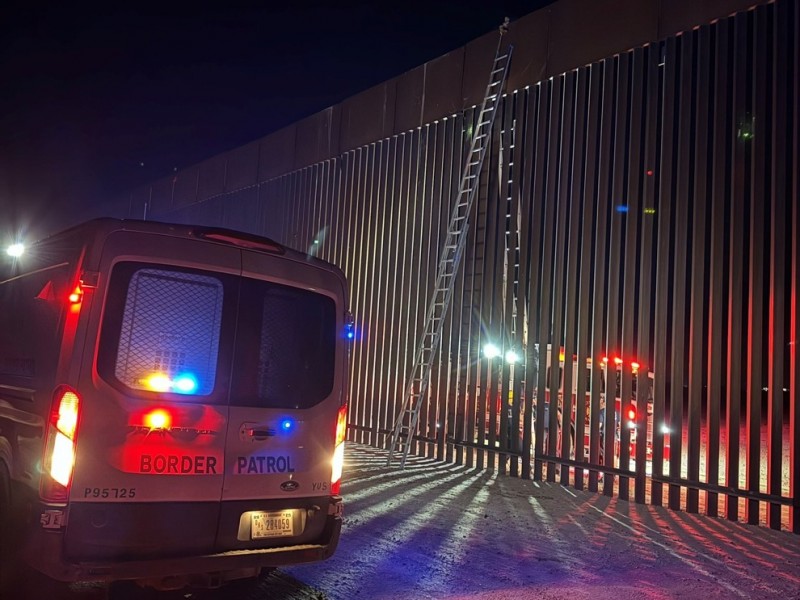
[{"x": 184, "y": 384}]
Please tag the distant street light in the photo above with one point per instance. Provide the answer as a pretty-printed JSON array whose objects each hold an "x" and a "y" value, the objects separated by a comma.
[
  {"x": 15, "y": 250},
  {"x": 491, "y": 351}
]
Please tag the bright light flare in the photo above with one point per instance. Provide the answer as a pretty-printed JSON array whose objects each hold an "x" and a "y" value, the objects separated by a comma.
[
  {"x": 59, "y": 456},
  {"x": 341, "y": 425},
  {"x": 15, "y": 250},
  {"x": 337, "y": 467},
  {"x": 158, "y": 419},
  {"x": 67, "y": 422},
  {"x": 63, "y": 459},
  {"x": 337, "y": 461},
  {"x": 184, "y": 384},
  {"x": 491, "y": 351},
  {"x": 512, "y": 357},
  {"x": 158, "y": 382},
  {"x": 77, "y": 295}
]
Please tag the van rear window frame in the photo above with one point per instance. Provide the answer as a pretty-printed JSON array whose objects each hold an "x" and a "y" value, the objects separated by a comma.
[
  {"x": 111, "y": 330},
  {"x": 311, "y": 384},
  {"x": 240, "y": 350}
]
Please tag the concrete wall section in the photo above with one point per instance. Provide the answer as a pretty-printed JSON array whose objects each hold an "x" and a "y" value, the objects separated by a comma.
[
  {"x": 583, "y": 31},
  {"x": 531, "y": 38},
  {"x": 317, "y": 137},
  {"x": 272, "y": 199},
  {"x": 410, "y": 90},
  {"x": 277, "y": 153},
  {"x": 366, "y": 117},
  {"x": 241, "y": 211},
  {"x": 212, "y": 178},
  {"x": 241, "y": 167},
  {"x": 161, "y": 196},
  {"x": 186, "y": 183},
  {"x": 478, "y": 57},
  {"x": 443, "y": 81},
  {"x": 682, "y": 15}
]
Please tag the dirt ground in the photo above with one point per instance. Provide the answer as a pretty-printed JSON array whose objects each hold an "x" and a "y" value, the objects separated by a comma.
[
  {"x": 444, "y": 532},
  {"x": 436, "y": 531}
]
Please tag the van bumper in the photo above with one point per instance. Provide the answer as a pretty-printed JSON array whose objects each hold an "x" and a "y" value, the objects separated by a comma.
[{"x": 44, "y": 551}]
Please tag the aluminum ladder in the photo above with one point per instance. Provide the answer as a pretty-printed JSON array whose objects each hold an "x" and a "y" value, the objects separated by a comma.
[{"x": 405, "y": 424}]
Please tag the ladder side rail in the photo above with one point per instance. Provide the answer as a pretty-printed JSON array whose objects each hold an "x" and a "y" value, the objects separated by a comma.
[{"x": 419, "y": 380}]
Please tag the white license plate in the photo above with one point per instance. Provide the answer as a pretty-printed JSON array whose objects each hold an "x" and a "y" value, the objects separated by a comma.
[{"x": 271, "y": 524}]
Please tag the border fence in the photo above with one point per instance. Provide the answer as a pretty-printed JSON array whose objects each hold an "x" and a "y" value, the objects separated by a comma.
[{"x": 637, "y": 225}]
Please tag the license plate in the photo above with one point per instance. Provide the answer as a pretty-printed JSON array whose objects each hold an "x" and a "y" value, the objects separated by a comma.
[{"x": 271, "y": 524}]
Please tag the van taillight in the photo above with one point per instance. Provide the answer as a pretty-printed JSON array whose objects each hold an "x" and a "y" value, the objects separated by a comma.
[
  {"x": 59, "y": 451},
  {"x": 77, "y": 295},
  {"x": 338, "y": 451}
]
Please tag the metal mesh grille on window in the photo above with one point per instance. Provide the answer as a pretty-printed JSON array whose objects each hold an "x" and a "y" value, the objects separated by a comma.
[
  {"x": 170, "y": 327},
  {"x": 279, "y": 352},
  {"x": 297, "y": 347}
]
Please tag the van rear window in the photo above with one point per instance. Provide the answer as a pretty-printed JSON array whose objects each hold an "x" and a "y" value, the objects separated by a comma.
[
  {"x": 169, "y": 331},
  {"x": 285, "y": 346},
  {"x": 183, "y": 331}
]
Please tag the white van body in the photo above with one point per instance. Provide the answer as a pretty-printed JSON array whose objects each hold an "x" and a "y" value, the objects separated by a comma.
[{"x": 172, "y": 403}]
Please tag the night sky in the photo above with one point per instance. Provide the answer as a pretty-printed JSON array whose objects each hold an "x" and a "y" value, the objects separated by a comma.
[{"x": 95, "y": 103}]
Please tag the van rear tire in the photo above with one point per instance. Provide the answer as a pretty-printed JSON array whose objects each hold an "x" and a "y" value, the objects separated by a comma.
[{"x": 9, "y": 535}]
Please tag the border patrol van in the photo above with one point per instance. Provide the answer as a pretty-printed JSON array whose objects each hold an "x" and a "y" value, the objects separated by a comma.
[{"x": 172, "y": 404}]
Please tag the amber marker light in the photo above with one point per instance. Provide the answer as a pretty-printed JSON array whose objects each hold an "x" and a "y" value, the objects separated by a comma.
[
  {"x": 159, "y": 382},
  {"x": 158, "y": 419}
]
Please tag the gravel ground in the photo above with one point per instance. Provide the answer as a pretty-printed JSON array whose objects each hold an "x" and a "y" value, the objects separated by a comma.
[{"x": 442, "y": 531}]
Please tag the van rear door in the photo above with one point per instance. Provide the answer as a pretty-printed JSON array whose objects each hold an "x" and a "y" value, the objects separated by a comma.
[
  {"x": 153, "y": 391},
  {"x": 285, "y": 396}
]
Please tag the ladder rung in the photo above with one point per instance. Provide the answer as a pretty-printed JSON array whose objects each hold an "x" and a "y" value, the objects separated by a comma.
[{"x": 453, "y": 246}]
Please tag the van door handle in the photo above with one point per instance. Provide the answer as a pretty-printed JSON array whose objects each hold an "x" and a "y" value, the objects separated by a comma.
[
  {"x": 253, "y": 432},
  {"x": 260, "y": 434}
]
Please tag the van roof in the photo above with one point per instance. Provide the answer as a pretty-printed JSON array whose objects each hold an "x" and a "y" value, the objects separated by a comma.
[{"x": 104, "y": 226}]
